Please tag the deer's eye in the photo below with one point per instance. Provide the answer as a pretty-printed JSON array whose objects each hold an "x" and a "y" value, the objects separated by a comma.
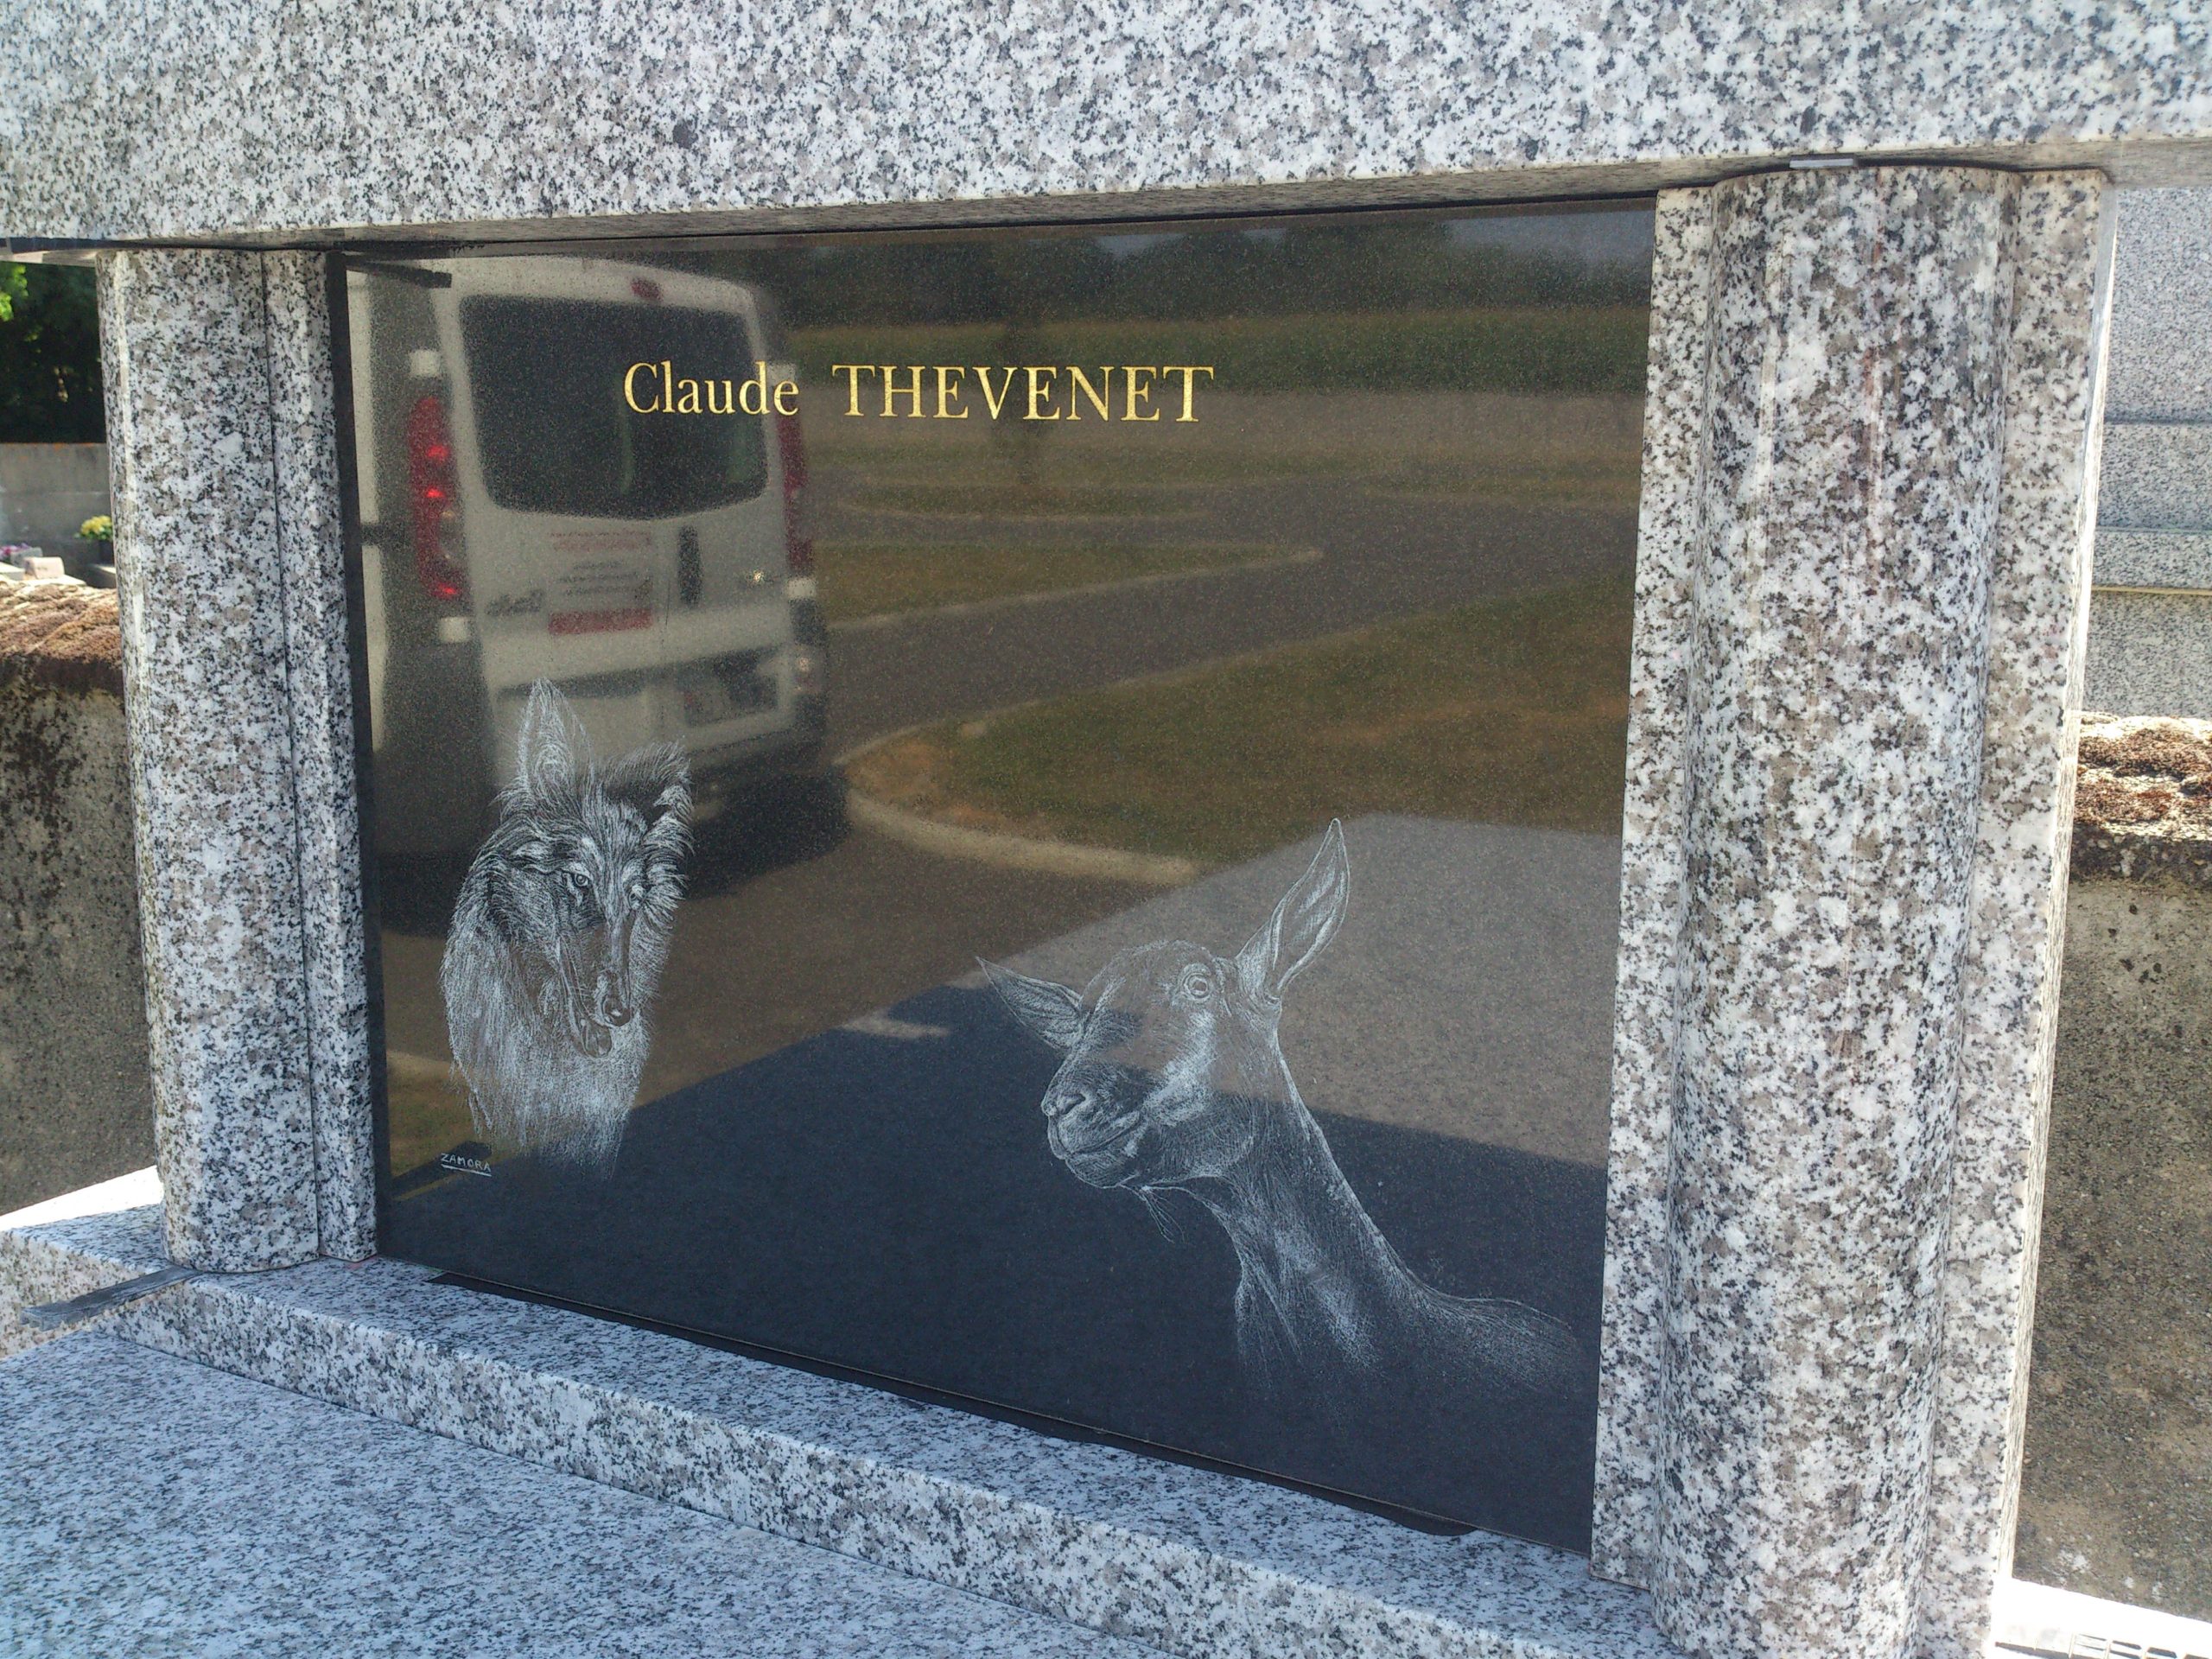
[{"x": 1196, "y": 983}]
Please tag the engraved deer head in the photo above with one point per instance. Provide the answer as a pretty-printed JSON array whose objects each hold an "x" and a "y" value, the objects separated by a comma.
[
  {"x": 1171, "y": 1069},
  {"x": 1172, "y": 1076}
]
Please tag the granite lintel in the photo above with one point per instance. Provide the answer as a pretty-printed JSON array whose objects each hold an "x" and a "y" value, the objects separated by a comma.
[
  {"x": 1198, "y": 1562},
  {"x": 125, "y": 123},
  {"x": 1505, "y": 185}
]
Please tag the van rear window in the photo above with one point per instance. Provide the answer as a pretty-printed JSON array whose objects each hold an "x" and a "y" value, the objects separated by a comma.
[{"x": 556, "y": 435}]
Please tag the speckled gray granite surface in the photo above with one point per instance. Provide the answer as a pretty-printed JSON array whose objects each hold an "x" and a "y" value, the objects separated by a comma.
[
  {"x": 1807, "y": 908},
  {"x": 1647, "y": 1010},
  {"x": 207, "y": 686},
  {"x": 2149, "y": 651},
  {"x": 2158, "y": 474},
  {"x": 152, "y": 1506},
  {"x": 145, "y": 118},
  {"x": 1196, "y": 1562},
  {"x": 2161, "y": 362},
  {"x": 2058, "y": 261},
  {"x": 319, "y": 676},
  {"x": 2162, "y": 559},
  {"x": 39, "y": 1263},
  {"x": 2150, "y": 654},
  {"x": 1834, "y": 756}
]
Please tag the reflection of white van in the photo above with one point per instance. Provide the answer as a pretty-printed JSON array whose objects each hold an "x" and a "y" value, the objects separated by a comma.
[{"x": 521, "y": 520}]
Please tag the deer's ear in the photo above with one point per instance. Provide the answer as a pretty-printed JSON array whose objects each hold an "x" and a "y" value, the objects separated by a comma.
[
  {"x": 1305, "y": 920},
  {"x": 1052, "y": 1011},
  {"x": 551, "y": 744}
]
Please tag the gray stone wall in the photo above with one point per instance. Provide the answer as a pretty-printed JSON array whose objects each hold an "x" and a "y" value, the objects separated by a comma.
[
  {"x": 46, "y": 490},
  {"x": 2151, "y": 616},
  {"x": 74, "y": 1103},
  {"x": 2116, "y": 1497}
]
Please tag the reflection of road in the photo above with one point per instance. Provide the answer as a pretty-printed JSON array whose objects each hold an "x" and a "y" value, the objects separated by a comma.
[
  {"x": 791, "y": 951},
  {"x": 763, "y": 957},
  {"x": 1381, "y": 558},
  {"x": 1469, "y": 991}
]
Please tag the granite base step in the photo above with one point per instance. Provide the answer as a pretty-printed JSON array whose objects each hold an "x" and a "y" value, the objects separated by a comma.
[
  {"x": 152, "y": 1505},
  {"x": 1188, "y": 1560}
]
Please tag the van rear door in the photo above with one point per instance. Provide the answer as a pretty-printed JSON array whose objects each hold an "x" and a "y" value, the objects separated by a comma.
[{"x": 637, "y": 559}]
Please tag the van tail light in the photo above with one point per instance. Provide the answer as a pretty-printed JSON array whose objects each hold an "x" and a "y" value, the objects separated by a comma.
[
  {"x": 434, "y": 496},
  {"x": 798, "y": 536}
]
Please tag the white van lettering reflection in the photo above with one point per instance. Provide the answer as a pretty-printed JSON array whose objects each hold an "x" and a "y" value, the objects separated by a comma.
[{"x": 528, "y": 604}]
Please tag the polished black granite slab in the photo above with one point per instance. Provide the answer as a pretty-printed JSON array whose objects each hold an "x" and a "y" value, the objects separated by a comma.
[{"x": 1109, "y": 921}]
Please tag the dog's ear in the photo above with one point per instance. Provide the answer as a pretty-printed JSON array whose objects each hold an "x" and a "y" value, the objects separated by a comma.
[
  {"x": 551, "y": 746},
  {"x": 655, "y": 783},
  {"x": 659, "y": 781}
]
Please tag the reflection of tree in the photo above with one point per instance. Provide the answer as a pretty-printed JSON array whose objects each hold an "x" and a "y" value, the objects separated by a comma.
[
  {"x": 1362, "y": 264},
  {"x": 50, "y": 356}
]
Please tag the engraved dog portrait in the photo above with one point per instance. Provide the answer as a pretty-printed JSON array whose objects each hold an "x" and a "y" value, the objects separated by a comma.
[
  {"x": 1172, "y": 1078},
  {"x": 560, "y": 935}
]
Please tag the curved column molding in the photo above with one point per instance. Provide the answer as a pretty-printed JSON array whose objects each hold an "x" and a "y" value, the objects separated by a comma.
[
  {"x": 224, "y": 465},
  {"x": 1860, "y": 602},
  {"x": 319, "y": 679}
]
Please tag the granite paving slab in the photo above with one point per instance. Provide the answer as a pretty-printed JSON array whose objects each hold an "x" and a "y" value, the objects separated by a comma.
[
  {"x": 2172, "y": 559},
  {"x": 149, "y": 1506},
  {"x": 1192, "y": 1560}
]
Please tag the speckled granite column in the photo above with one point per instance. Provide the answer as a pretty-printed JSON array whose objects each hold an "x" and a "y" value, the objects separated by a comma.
[
  {"x": 219, "y": 435},
  {"x": 1851, "y": 392},
  {"x": 319, "y": 679},
  {"x": 1654, "y": 872},
  {"x": 2061, "y": 261}
]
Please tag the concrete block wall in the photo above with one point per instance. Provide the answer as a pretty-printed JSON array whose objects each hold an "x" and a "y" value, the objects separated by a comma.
[
  {"x": 2150, "y": 614},
  {"x": 46, "y": 490},
  {"x": 75, "y": 1104}
]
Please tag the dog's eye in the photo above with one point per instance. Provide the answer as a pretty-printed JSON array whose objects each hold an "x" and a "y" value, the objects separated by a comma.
[
  {"x": 576, "y": 884},
  {"x": 1196, "y": 983}
]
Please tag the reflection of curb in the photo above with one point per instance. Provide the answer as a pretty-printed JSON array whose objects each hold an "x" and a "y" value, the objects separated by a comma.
[
  {"x": 1087, "y": 590},
  {"x": 1017, "y": 852},
  {"x": 402, "y": 1070}
]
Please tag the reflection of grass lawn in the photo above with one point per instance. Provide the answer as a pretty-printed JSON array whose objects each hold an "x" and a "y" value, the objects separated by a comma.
[
  {"x": 1559, "y": 347},
  {"x": 1513, "y": 711},
  {"x": 428, "y": 1113},
  {"x": 1475, "y": 486},
  {"x": 995, "y": 497},
  {"x": 869, "y": 578}
]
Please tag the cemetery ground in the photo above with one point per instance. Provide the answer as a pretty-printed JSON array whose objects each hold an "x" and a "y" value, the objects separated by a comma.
[{"x": 2116, "y": 1497}]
